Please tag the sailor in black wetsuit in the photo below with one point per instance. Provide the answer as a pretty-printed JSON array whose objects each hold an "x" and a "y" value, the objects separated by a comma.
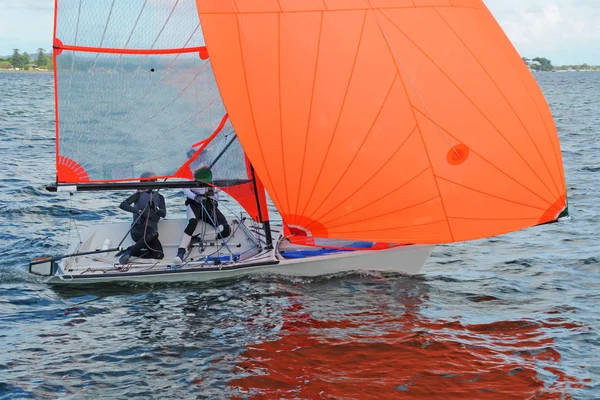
[
  {"x": 202, "y": 205},
  {"x": 147, "y": 207}
]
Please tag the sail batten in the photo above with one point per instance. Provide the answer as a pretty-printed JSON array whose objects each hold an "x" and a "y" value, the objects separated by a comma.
[
  {"x": 129, "y": 51},
  {"x": 395, "y": 121}
]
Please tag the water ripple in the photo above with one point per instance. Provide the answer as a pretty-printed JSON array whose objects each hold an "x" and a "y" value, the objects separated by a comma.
[{"x": 511, "y": 317}]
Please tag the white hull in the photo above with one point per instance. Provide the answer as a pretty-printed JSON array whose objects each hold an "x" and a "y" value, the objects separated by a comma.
[{"x": 104, "y": 268}]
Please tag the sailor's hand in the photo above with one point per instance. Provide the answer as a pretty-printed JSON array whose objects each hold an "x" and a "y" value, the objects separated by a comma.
[{"x": 151, "y": 205}]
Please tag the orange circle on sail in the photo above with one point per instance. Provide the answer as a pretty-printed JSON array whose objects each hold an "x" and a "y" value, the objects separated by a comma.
[{"x": 458, "y": 154}]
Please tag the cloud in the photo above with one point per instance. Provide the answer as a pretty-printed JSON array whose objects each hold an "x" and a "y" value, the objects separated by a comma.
[
  {"x": 564, "y": 30},
  {"x": 25, "y": 24}
]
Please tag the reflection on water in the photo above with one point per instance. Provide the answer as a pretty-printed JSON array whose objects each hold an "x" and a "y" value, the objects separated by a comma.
[
  {"x": 344, "y": 336},
  {"x": 392, "y": 351}
]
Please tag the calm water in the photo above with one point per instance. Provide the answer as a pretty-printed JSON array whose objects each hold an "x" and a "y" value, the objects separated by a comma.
[{"x": 512, "y": 317}]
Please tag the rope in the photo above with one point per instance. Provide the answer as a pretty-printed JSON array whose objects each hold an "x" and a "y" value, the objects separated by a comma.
[
  {"x": 215, "y": 224},
  {"x": 72, "y": 221},
  {"x": 254, "y": 223}
]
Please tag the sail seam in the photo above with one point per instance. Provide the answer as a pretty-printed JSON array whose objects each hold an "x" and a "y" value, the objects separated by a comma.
[
  {"x": 316, "y": 182},
  {"x": 136, "y": 23},
  {"x": 396, "y": 63},
  {"x": 109, "y": 110},
  {"x": 470, "y": 101},
  {"x": 121, "y": 50},
  {"x": 376, "y": 173},
  {"x": 490, "y": 163},
  {"x": 276, "y": 197},
  {"x": 393, "y": 228},
  {"x": 190, "y": 118},
  {"x": 166, "y": 22},
  {"x": 496, "y": 219},
  {"x": 112, "y": 6},
  {"x": 312, "y": 95},
  {"x": 333, "y": 10},
  {"x": 170, "y": 103},
  {"x": 537, "y": 107},
  {"x": 503, "y": 96},
  {"x": 87, "y": 86},
  {"x": 142, "y": 60},
  {"x": 489, "y": 194},
  {"x": 151, "y": 88},
  {"x": 347, "y": 168},
  {"x": 387, "y": 213},
  {"x": 281, "y": 139}
]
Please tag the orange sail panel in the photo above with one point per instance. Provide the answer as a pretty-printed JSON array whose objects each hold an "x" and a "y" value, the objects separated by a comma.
[{"x": 406, "y": 121}]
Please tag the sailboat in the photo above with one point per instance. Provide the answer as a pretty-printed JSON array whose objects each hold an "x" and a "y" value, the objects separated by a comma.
[{"x": 378, "y": 128}]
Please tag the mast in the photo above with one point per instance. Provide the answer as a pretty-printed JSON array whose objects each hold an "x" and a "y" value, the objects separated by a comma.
[{"x": 265, "y": 219}]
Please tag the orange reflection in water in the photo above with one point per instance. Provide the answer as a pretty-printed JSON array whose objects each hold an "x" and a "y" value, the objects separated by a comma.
[{"x": 377, "y": 355}]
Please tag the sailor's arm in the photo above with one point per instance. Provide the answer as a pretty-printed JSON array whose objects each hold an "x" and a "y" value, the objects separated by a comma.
[
  {"x": 127, "y": 203},
  {"x": 161, "y": 209},
  {"x": 189, "y": 194}
]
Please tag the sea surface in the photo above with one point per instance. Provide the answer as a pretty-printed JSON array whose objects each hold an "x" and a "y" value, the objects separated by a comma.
[{"x": 511, "y": 317}]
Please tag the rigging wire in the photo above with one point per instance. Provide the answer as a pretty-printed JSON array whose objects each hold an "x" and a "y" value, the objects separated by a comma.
[{"x": 72, "y": 220}]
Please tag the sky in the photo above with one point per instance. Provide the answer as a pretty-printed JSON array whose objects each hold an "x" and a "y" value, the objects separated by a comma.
[{"x": 565, "y": 31}]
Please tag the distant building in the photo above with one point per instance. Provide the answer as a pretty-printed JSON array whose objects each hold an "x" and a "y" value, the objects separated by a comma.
[{"x": 534, "y": 65}]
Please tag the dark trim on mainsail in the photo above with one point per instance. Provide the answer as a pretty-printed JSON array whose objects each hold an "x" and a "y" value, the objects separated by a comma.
[
  {"x": 91, "y": 187},
  {"x": 222, "y": 152},
  {"x": 266, "y": 223}
]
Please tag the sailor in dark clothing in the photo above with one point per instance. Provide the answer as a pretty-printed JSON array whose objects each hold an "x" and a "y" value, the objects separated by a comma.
[
  {"x": 147, "y": 207},
  {"x": 202, "y": 205}
]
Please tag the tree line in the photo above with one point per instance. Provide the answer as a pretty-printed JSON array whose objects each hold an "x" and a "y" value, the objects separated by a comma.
[
  {"x": 539, "y": 64},
  {"x": 26, "y": 62},
  {"x": 543, "y": 64}
]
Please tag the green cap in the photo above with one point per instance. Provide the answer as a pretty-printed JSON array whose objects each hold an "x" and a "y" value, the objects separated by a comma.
[{"x": 203, "y": 174}]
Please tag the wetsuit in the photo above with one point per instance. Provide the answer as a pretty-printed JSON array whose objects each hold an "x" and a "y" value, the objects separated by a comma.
[
  {"x": 202, "y": 204},
  {"x": 145, "y": 231}
]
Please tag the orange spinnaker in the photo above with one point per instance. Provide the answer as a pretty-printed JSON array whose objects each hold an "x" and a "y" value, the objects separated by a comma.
[{"x": 389, "y": 120}]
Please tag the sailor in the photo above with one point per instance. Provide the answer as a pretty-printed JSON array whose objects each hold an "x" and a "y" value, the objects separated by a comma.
[
  {"x": 202, "y": 204},
  {"x": 148, "y": 207}
]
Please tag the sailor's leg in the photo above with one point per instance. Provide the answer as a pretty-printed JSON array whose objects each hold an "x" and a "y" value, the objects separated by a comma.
[
  {"x": 155, "y": 246},
  {"x": 137, "y": 234},
  {"x": 186, "y": 238},
  {"x": 222, "y": 221},
  {"x": 213, "y": 216},
  {"x": 145, "y": 247}
]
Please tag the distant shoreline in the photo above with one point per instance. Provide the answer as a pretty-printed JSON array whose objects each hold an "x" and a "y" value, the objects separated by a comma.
[{"x": 25, "y": 71}]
